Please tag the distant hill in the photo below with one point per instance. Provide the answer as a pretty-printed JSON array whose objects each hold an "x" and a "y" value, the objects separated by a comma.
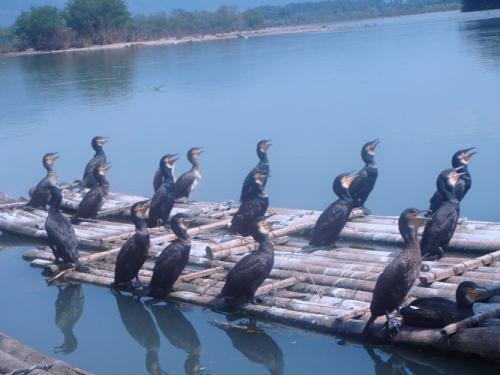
[
  {"x": 10, "y": 9},
  {"x": 473, "y": 5}
]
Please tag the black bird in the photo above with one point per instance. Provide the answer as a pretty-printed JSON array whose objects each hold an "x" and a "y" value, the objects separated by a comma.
[
  {"x": 61, "y": 234},
  {"x": 437, "y": 312},
  {"x": 99, "y": 158},
  {"x": 40, "y": 194},
  {"x": 180, "y": 333},
  {"x": 440, "y": 228},
  {"x": 158, "y": 178},
  {"x": 69, "y": 309},
  {"x": 163, "y": 198},
  {"x": 363, "y": 185},
  {"x": 188, "y": 181},
  {"x": 134, "y": 251},
  {"x": 255, "y": 345},
  {"x": 398, "y": 277},
  {"x": 248, "y": 274},
  {"x": 460, "y": 159},
  {"x": 252, "y": 209},
  {"x": 93, "y": 200},
  {"x": 262, "y": 167},
  {"x": 141, "y": 327},
  {"x": 333, "y": 219},
  {"x": 172, "y": 260}
]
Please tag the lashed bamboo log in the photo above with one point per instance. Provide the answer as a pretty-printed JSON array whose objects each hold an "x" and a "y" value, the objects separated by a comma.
[
  {"x": 155, "y": 240},
  {"x": 461, "y": 268},
  {"x": 470, "y": 322},
  {"x": 274, "y": 285}
]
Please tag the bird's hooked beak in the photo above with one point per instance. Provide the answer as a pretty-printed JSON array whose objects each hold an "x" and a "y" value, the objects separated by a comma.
[
  {"x": 143, "y": 209},
  {"x": 373, "y": 146},
  {"x": 265, "y": 146},
  {"x": 260, "y": 178},
  {"x": 467, "y": 154},
  {"x": 172, "y": 159},
  {"x": 420, "y": 218},
  {"x": 348, "y": 179},
  {"x": 102, "y": 141},
  {"x": 474, "y": 294},
  {"x": 55, "y": 155},
  {"x": 454, "y": 176},
  {"x": 201, "y": 150}
]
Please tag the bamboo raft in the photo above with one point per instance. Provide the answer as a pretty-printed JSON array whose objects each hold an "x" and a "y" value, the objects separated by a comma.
[
  {"x": 15, "y": 356},
  {"x": 327, "y": 291}
]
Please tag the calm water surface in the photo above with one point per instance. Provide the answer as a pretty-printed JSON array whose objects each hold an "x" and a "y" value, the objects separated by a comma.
[{"x": 425, "y": 87}]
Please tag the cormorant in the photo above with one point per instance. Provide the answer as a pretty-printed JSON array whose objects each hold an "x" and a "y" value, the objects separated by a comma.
[
  {"x": 141, "y": 327},
  {"x": 333, "y": 219},
  {"x": 262, "y": 167},
  {"x": 398, "y": 277},
  {"x": 252, "y": 209},
  {"x": 134, "y": 251},
  {"x": 158, "y": 178},
  {"x": 363, "y": 185},
  {"x": 40, "y": 194},
  {"x": 180, "y": 333},
  {"x": 438, "y": 312},
  {"x": 460, "y": 159},
  {"x": 61, "y": 234},
  {"x": 248, "y": 274},
  {"x": 172, "y": 260},
  {"x": 163, "y": 198},
  {"x": 255, "y": 345},
  {"x": 188, "y": 181},
  {"x": 99, "y": 158},
  {"x": 442, "y": 224},
  {"x": 94, "y": 198},
  {"x": 69, "y": 309}
]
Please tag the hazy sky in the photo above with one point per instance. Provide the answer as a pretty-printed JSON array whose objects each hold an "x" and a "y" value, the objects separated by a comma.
[{"x": 10, "y": 9}]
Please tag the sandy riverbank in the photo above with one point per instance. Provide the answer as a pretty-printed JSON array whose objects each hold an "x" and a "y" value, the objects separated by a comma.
[{"x": 343, "y": 26}]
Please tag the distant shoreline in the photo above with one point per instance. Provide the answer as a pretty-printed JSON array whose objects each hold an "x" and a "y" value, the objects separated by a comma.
[{"x": 342, "y": 26}]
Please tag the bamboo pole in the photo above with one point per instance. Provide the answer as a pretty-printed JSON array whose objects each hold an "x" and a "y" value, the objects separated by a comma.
[
  {"x": 461, "y": 268},
  {"x": 470, "y": 322}
]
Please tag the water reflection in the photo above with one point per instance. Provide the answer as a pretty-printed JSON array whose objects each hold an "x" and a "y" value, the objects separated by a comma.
[
  {"x": 69, "y": 309},
  {"x": 180, "y": 333},
  {"x": 484, "y": 35},
  {"x": 389, "y": 360},
  {"x": 100, "y": 76},
  {"x": 256, "y": 345},
  {"x": 140, "y": 325}
]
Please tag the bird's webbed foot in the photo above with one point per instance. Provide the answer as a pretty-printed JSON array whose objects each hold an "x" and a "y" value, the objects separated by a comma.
[
  {"x": 83, "y": 267},
  {"x": 434, "y": 256},
  {"x": 136, "y": 284},
  {"x": 255, "y": 300},
  {"x": 425, "y": 268},
  {"x": 392, "y": 327}
]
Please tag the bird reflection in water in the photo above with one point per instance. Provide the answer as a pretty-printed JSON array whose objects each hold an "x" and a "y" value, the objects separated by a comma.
[
  {"x": 140, "y": 325},
  {"x": 69, "y": 309},
  {"x": 406, "y": 363},
  {"x": 180, "y": 333},
  {"x": 255, "y": 344}
]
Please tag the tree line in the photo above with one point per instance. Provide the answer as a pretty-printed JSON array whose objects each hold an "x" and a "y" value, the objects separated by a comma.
[
  {"x": 473, "y": 5},
  {"x": 87, "y": 22}
]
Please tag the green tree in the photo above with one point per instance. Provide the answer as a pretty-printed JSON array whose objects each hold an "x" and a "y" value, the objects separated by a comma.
[
  {"x": 43, "y": 28},
  {"x": 473, "y": 5},
  {"x": 97, "y": 19}
]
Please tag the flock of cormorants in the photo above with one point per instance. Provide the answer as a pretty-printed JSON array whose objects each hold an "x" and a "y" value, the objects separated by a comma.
[{"x": 352, "y": 189}]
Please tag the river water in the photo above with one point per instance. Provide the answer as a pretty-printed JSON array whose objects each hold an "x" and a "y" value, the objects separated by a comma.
[{"x": 425, "y": 85}]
